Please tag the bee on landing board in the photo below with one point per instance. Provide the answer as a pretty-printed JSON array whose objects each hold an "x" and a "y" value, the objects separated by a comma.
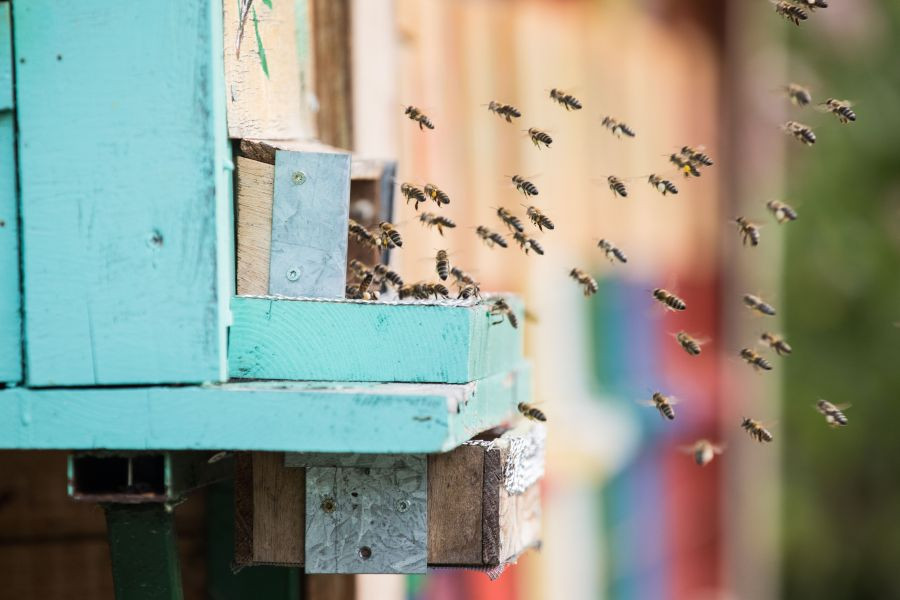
[
  {"x": 756, "y": 430},
  {"x": 834, "y": 414},
  {"x": 611, "y": 252},
  {"x": 539, "y": 137},
  {"x": 524, "y": 186},
  {"x": 568, "y": 101},
  {"x": 798, "y": 94},
  {"x": 758, "y": 304},
  {"x": 670, "y": 300},
  {"x": 510, "y": 220},
  {"x": 755, "y": 360},
  {"x": 802, "y": 133},
  {"x": 531, "y": 413},
  {"x": 435, "y": 193},
  {"x": 469, "y": 290},
  {"x": 587, "y": 282},
  {"x": 538, "y": 218},
  {"x": 776, "y": 343},
  {"x": 491, "y": 238},
  {"x": 440, "y": 222},
  {"x": 663, "y": 186},
  {"x": 839, "y": 108},
  {"x": 505, "y": 111},
  {"x": 781, "y": 211},
  {"x": 442, "y": 264},
  {"x": 690, "y": 345},
  {"x": 411, "y": 192},
  {"x": 500, "y": 308},
  {"x": 703, "y": 451},
  {"x": 749, "y": 231},
  {"x": 617, "y": 187},
  {"x": 664, "y": 404},
  {"x": 419, "y": 117},
  {"x": 423, "y": 290}
]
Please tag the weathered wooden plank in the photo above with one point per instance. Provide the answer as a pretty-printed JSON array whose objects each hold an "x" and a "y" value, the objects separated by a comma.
[
  {"x": 7, "y": 100},
  {"x": 333, "y": 71},
  {"x": 329, "y": 587},
  {"x": 267, "y": 416},
  {"x": 371, "y": 341},
  {"x": 455, "y": 486},
  {"x": 124, "y": 194},
  {"x": 268, "y": 77},
  {"x": 10, "y": 297}
]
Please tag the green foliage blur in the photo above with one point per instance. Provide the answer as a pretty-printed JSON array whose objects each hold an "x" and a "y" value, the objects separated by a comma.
[{"x": 842, "y": 281}]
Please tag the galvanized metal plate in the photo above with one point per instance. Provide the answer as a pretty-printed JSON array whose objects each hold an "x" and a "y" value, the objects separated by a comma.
[
  {"x": 310, "y": 208},
  {"x": 367, "y": 520}
]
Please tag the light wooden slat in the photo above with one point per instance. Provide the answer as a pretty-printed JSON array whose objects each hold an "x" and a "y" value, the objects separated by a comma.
[
  {"x": 352, "y": 341},
  {"x": 124, "y": 194},
  {"x": 455, "y": 489}
]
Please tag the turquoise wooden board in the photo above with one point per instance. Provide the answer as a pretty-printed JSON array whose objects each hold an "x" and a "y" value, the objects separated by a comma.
[
  {"x": 369, "y": 341},
  {"x": 124, "y": 195},
  {"x": 6, "y": 58},
  {"x": 10, "y": 298},
  {"x": 270, "y": 416}
]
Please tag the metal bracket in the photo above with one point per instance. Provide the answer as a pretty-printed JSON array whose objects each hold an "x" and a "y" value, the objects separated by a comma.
[
  {"x": 366, "y": 513},
  {"x": 310, "y": 208}
]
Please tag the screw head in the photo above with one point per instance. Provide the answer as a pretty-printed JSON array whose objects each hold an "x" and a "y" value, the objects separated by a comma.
[
  {"x": 403, "y": 505},
  {"x": 298, "y": 177},
  {"x": 365, "y": 553},
  {"x": 328, "y": 505},
  {"x": 293, "y": 274}
]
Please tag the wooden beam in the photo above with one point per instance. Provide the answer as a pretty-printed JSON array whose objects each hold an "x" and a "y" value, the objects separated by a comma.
[
  {"x": 329, "y": 587},
  {"x": 333, "y": 71},
  {"x": 268, "y": 416},
  {"x": 417, "y": 342}
]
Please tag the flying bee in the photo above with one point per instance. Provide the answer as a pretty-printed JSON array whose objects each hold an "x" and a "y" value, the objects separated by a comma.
[
  {"x": 617, "y": 187},
  {"x": 361, "y": 234},
  {"x": 690, "y": 345},
  {"x": 798, "y": 94},
  {"x": 663, "y": 404},
  {"x": 511, "y": 220},
  {"x": 502, "y": 309},
  {"x": 539, "y": 137},
  {"x": 696, "y": 156},
  {"x": 755, "y": 360},
  {"x": 757, "y": 430},
  {"x": 588, "y": 283},
  {"x": 756, "y": 303},
  {"x": 491, "y": 237},
  {"x": 411, "y": 192},
  {"x": 390, "y": 237},
  {"x": 461, "y": 276},
  {"x": 802, "y": 133},
  {"x": 524, "y": 186},
  {"x": 834, "y": 414},
  {"x": 432, "y": 220},
  {"x": 469, "y": 290},
  {"x": 527, "y": 243},
  {"x": 617, "y": 128},
  {"x": 791, "y": 12},
  {"x": 440, "y": 197},
  {"x": 685, "y": 166},
  {"x": 358, "y": 267},
  {"x": 776, "y": 342},
  {"x": 539, "y": 219},
  {"x": 840, "y": 108},
  {"x": 703, "y": 451},
  {"x": 612, "y": 253},
  {"x": 663, "y": 186},
  {"x": 386, "y": 274},
  {"x": 532, "y": 413},
  {"x": 419, "y": 117},
  {"x": 782, "y": 212},
  {"x": 569, "y": 101},
  {"x": 671, "y": 301},
  {"x": 749, "y": 231},
  {"x": 506, "y": 111},
  {"x": 442, "y": 264},
  {"x": 812, "y": 5}
]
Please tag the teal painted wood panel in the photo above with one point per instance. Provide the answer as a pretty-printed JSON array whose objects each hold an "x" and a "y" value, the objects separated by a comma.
[
  {"x": 270, "y": 416},
  {"x": 369, "y": 341},
  {"x": 10, "y": 297},
  {"x": 124, "y": 194},
  {"x": 6, "y": 58}
]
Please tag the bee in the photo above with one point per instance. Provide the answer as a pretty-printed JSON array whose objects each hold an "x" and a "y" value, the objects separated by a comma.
[
  {"x": 442, "y": 264},
  {"x": 539, "y": 137},
  {"x": 361, "y": 234},
  {"x": 569, "y": 101},
  {"x": 389, "y": 236},
  {"x": 671, "y": 301},
  {"x": 685, "y": 166},
  {"x": 755, "y": 360},
  {"x": 432, "y": 220},
  {"x": 524, "y": 186},
  {"x": 405, "y": 291},
  {"x": 841, "y": 109},
  {"x": 419, "y": 117},
  {"x": 663, "y": 186},
  {"x": 799, "y": 95},
  {"x": 469, "y": 290},
  {"x": 791, "y": 12},
  {"x": 663, "y": 404},
  {"x": 528, "y": 243},
  {"x": 361, "y": 291},
  {"x": 386, "y": 274},
  {"x": 703, "y": 451},
  {"x": 461, "y": 276},
  {"x": 834, "y": 415},
  {"x": 612, "y": 253},
  {"x": 502, "y": 309},
  {"x": 506, "y": 111},
  {"x": 617, "y": 187},
  {"x": 756, "y": 303},
  {"x": 510, "y": 219},
  {"x": 588, "y": 282},
  {"x": 812, "y": 5},
  {"x": 617, "y": 128},
  {"x": 690, "y": 345},
  {"x": 777, "y": 343},
  {"x": 423, "y": 290},
  {"x": 538, "y": 218},
  {"x": 532, "y": 413},
  {"x": 440, "y": 197},
  {"x": 749, "y": 231},
  {"x": 756, "y": 430},
  {"x": 696, "y": 156},
  {"x": 358, "y": 267},
  {"x": 802, "y": 133},
  {"x": 491, "y": 237},
  {"x": 411, "y": 192},
  {"x": 781, "y": 211}
]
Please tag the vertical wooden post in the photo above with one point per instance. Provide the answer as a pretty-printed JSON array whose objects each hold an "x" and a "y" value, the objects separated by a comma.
[{"x": 143, "y": 552}]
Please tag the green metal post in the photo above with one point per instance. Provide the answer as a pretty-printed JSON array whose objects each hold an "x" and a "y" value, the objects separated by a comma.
[{"x": 143, "y": 551}]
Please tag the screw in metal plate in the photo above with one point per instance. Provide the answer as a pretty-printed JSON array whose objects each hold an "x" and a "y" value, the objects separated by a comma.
[
  {"x": 293, "y": 274},
  {"x": 402, "y": 505},
  {"x": 365, "y": 553},
  {"x": 328, "y": 505},
  {"x": 298, "y": 177}
]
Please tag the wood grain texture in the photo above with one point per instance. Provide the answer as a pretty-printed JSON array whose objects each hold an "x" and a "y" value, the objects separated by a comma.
[
  {"x": 268, "y": 84},
  {"x": 520, "y": 522},
  {"x": 344, "y": 341},
  {"x": 493, "y": 481},
  {"x": 269, "y": 510},
  {"x": 329, "y": 587},
  {"x": 333, "y": 71},
  {"x": 10, "y": 296},
  {"x": 455, "y": 486},
  {"x": 266, "y": 416},
  {"x": 123, "y": 191},
  {"x": 253, "y": 211},
  {"x": 6, "y": 59}
]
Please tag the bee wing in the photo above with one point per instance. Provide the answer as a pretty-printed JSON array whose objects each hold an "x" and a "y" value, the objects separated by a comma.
[
  {"x": 688, "y": 449},
  {"x": 844, "y": 406},
  {"x": 673, "y": 400},
  {"x": 643, "y": 402},
  {"x": 718, "y": 448}
]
